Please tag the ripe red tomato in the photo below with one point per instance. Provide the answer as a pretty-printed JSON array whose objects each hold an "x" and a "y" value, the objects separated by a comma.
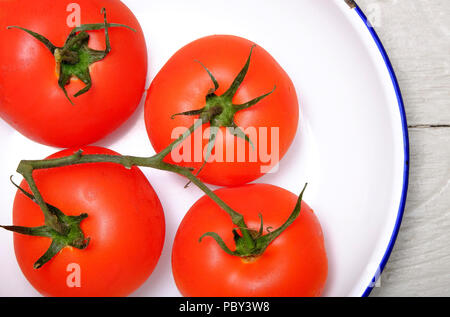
[
  {"x": 182, "y": 85},
  {"x": 294, "y": 264},
  {"x": 125, "y": 224},
  {"x": 31, "y": 100}
]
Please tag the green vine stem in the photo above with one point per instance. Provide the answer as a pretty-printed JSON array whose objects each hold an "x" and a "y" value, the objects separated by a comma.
[
  {"x": 26, "y": 168},
  {"x": 249, "y": 244},
  {"x": 219, "y": 111}
]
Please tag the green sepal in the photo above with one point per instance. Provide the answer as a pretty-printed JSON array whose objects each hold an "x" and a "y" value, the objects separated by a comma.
[
  {"x": 263, "y": 242},
  {"x": 74, "y": 237},
  {"x": 261, "y": 226},
  {"x": 213, "y": 79},
  {"x": 211, "y": 142},
  {"x": 53, "y": 250},
  {"x": 237, "y": 132},
  {"x": 254, "y": 101},
  {"x": 42, "y": 231},
  {"x": 239, "y": 78},
  {"x": 37, "y": 36},
  {"x": 188, "y": 113},
  {"x": 219, "y": 241}
]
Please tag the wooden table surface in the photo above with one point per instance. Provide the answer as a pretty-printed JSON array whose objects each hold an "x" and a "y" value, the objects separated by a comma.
[{"x": 416, "y": 35}]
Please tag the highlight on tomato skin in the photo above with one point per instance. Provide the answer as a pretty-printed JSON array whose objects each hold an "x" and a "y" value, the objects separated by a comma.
[
  {"x": 197, "y": 82},
  {"x": 125, "y": 225},
  {"x": 31, "y": 99},
  {"x": 295, "y": 264}
]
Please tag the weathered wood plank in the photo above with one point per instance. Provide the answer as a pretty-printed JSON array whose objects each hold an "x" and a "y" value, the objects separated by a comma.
[{"x": 416, "y": 35}]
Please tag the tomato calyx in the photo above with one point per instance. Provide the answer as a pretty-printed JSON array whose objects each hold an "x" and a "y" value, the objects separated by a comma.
[
  {"x": 247, "y": 249},
  {"x": 75, "y": 57},
  {"x": 73, "y": 237},
  {"x": 219, "y": 111}
]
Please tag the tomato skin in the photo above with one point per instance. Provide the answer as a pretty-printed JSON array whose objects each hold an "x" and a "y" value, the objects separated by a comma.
[
  {"x": 294, "y": 264},
  {"x": 31, "y": 100},
  {"x": 183, "y": 83},
  {"x": 125, "y": 224}
]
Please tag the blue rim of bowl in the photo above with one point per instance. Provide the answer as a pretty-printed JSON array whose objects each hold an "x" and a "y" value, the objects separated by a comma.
[{"x": 401, "y": 107}]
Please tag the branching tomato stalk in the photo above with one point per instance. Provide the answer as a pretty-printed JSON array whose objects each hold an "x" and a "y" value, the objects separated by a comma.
[{"x": 219, "y": 111}]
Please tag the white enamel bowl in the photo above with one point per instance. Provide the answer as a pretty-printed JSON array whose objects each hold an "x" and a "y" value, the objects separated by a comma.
[{"x": 352, "y": 146}]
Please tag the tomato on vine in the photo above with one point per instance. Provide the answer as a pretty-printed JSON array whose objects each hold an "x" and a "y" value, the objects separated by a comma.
[
  {"x": 69, "y": 85},
  {"x": 285, "y": 256},
  {"x": 113, "y": 228},
  {"x": 240, "y": 93}
]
